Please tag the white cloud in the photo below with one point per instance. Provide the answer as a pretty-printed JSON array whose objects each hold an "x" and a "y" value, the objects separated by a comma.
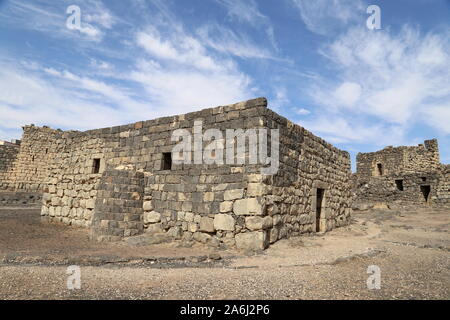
[
  {"x": 174, "y": 74},
  {"x": 438, "y": 116},
  {"x": 227, "y": 41},
  {"x": 347, "y": 129},
  {"x": 302, "y": 111},
  {"x": 324, "y": 17},
  {"x": 50, "y": 17},
  {"x": 347, "y": 94},
  {"x": 247, "y": 11},
  {"x": 392, "y": 78},
  {"x": 177, "y": 48}
]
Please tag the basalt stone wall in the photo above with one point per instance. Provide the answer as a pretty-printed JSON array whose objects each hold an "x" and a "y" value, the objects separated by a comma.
[
  {"x": 307, "y": 164},
  {"x": 203, "y": 202},
  {"x": 443, "y": 189},
  {"x": 72, "y": 182},
  {"x": 8, "y": 155},
  {"x": 216, "y": 203},
  {"x": 30, "y": 169},
  {"x": 399, "y": 160},
  {"x": 408, "y": 175},
  {"x": 118, "y": 207}
]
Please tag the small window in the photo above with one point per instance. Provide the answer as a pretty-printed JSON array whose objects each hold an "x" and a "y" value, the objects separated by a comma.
[
  {"x": 424, "y": 179},
  {"x": 399, "y": 184},
  {"x": 380, "y": 169},
  {"x": 96, "y": 166},
  {"x": 166, "y": 161}
]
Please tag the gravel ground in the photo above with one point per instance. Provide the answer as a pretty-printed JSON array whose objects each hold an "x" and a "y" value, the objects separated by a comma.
[{"x": 412, "y": 250}]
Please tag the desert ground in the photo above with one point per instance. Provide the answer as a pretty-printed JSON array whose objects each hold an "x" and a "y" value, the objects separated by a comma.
[{"x": 410, "y": 247}]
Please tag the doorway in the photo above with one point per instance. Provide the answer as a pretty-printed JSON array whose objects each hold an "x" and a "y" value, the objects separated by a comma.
[
  {"x": 319, "y": 207},
  {"x": 425, "y": 192},
  {"x": 380, "y": 169}
]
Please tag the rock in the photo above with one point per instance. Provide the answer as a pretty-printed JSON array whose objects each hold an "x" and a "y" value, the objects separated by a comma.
[
  {"x": 189, "y": 216},
  {"x": 155, "y": 228},
  {"x": 224, "y": 222},
  {"x": 226, "y": 206},
  {"x": 147, "y": 206},
  {"x": 257, "y": 240},
  {"x": 233, "y": 194},
  {"x": 214, "y": 256},
  {"x": 90, "y": 204},
  {"x": 152, "y": 217},
  {"x": 207, "y": 224},
  {"x": 192, "y": 227},
  {"x": 258, "y": 223},
  {"x": 255, "y": 189},
  {"x": 175, "y": 232},
  {"x": 202, "y": 237},
  {"x": 248, "y": 207}
]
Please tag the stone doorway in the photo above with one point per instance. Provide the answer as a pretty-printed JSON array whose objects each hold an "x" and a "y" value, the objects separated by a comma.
[
  {"x": 425, "y": 190},
  {"x": 319, "y": 207}
]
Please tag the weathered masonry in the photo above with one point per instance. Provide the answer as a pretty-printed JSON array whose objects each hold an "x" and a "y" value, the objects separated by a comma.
[
  {"x": 406, "y": 175},
  {"x": 121, "y": 181}
]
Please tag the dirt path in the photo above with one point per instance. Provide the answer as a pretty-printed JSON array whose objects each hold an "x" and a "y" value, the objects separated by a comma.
[{"x": 412, "y": 250}]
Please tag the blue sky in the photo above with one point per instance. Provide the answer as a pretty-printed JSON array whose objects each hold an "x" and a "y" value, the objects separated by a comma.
[{"x": 316, "y": 62}]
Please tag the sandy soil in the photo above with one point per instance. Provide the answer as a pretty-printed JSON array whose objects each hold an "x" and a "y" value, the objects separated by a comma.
[{"x": 412, "y": 250}]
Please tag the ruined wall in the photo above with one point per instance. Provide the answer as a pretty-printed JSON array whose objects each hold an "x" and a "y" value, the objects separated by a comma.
[
  {"x": 443, "y": 188},
  {"x": 230, "y": 204},
  {"x": 307, "y": 163},
  {"x": 8, "y": 155},
  {"x": 409, "y": 191},
  {"x": 71, "y": 184},
  {"x": 411, "y": 175},
  {"x": 30, "y": 169},
  {"x": 404, "y": 159}
]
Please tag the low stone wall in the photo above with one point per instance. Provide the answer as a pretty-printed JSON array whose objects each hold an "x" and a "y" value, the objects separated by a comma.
[
  {"x": 8, "y": 155},
  {"x": 118, "y": 207},
  {"x": 20, "y": 199}
]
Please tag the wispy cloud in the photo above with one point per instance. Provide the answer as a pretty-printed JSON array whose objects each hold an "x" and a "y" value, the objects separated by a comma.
[
  {"x": 326, "y": 17},
  {"x": 50, "y": 17},
  {"x": 398, "y": 79},
  {"x": 248, "y": 12}
]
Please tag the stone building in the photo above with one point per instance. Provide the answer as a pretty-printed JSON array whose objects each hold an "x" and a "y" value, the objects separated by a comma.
[
  {"x": 122, "y": 181},
  {"x": 405, "y": 175}
]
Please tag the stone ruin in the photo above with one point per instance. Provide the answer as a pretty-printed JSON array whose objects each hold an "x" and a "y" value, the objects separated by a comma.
[
  {"x": 121, "y": 182},
  {"x": 406, "y": 175}
]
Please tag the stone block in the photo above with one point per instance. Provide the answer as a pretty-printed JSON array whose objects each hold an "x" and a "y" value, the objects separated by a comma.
[
  {"x": 207, "y": 224},
  {"x": 258, "y": 223},
  {"x": 257, "y": 240},
  {"x": 152, "y": 217},
  {"x": 226, "y": 206},
  {"x": 251, "y": 206},
  {"x": 147, "y": 206},
  {"x": 233, "y": 194},
  {"x": 224, "y": 222}
]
